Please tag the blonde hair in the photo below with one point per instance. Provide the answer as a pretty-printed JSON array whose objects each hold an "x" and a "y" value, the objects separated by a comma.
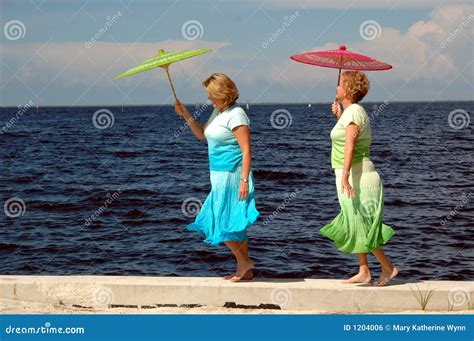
[
  {"x": 356, "y": 84},
  {"x": 221, "y": 87}
]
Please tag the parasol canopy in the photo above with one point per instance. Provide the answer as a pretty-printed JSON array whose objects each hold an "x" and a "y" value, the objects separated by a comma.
[
  {"x": 163, "y": 59},
  {"x": 341, "y": 59}
]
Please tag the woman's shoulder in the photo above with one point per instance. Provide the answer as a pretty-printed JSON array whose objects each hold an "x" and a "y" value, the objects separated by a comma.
[
  {"x": 356, "y": 108},
  {"x": 236, "y": 110},
  {"x": 236, "y": 117},
  {"x": 354, "y": 113}
]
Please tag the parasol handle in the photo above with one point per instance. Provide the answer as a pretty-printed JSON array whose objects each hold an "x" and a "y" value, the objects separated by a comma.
[
  {"x": 335, "y": 99},
  {"x": 170, "y": 81}
]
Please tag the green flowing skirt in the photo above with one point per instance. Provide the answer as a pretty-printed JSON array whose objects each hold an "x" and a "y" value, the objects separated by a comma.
[{"x": 358, "y": 228}]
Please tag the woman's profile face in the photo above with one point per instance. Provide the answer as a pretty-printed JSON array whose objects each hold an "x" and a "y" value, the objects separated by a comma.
[{"x": 217, "y": 103}]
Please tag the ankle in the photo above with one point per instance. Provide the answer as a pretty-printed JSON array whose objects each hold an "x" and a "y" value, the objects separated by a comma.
[{"x": 387, "y": 268}]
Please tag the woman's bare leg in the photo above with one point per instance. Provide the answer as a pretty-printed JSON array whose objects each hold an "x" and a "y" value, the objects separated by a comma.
[
  {"x": 389, "y": 271},
  {"x": 244, "y": 263},
  {"x": 245, "y": 251},
  {"x": 237, "y": 255},
  {"x": 364, "y": 273}
]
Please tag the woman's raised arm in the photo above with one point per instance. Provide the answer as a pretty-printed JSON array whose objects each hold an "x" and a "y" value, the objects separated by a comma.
[{"x": 196, "y": 128}]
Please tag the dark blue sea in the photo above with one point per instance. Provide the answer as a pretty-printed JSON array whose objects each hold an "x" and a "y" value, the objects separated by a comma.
[{"x": 112, "y": 193}]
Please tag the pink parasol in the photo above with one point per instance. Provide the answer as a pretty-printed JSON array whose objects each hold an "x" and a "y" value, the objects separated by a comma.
[{"x": 341, "y": 59}]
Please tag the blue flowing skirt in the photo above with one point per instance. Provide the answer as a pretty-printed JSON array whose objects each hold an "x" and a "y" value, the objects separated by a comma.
[{"x": 223, "y": 217}]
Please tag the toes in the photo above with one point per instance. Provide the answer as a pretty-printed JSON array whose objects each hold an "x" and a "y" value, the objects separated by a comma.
[{"x": 382, "y": 282}]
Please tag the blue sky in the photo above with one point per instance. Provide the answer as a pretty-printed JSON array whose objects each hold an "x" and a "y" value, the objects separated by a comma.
[{"x": 47, "y": 61}]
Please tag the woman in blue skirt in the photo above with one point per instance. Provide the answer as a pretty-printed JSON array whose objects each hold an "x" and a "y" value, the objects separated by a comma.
[{"x": 229, "y": 208}]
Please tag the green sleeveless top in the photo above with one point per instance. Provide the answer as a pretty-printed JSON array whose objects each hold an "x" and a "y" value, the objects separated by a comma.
[{"x": 353, "y": 113}]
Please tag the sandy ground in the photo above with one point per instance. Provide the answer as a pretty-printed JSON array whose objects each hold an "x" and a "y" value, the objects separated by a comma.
[{"x": 22, "y": 307}]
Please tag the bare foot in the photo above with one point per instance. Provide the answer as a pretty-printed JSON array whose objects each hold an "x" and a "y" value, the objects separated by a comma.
[
  {"x": 361, "y": 277},
  {"x": 386, "y": 276},
  {"x": 229, "y": 276},
  {"x": 244, "y": 272},
  {"x": 248, "y": 276}
]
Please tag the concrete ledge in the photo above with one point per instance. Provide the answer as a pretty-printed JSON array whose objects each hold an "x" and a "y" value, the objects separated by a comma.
[{"x": 322, "y": 295}]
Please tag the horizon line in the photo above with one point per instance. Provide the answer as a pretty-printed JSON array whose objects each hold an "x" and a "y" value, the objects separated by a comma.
[{"x": 240, "y": 103}]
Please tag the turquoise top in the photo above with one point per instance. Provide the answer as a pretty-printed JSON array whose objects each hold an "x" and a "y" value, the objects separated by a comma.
[
  {"x": 354, "y": 113},
  {"x": 224, "y": 150}
]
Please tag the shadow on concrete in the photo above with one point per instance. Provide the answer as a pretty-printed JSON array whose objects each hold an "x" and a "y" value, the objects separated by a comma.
[
  {"x": 392, "y": 283},
  {"x": 274, "y": 280}
]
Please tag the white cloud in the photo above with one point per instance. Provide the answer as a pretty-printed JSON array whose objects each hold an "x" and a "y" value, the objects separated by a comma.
[
  {"x": 343, "y": 4},
  {"x": 71, "y": 63},
  {"x": 417, "y": 54},
  {"x": 434, "y": 50}
]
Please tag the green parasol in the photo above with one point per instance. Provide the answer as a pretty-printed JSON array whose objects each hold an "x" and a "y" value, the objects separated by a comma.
[{"x": 163, "y": 59}]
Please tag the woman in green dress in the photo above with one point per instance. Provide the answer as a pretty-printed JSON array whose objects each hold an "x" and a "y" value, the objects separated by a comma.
[{"x": 358, "y": 228}]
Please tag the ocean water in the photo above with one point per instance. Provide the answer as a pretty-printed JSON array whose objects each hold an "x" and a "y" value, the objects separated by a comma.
[{"x": 79, "y": 199}]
